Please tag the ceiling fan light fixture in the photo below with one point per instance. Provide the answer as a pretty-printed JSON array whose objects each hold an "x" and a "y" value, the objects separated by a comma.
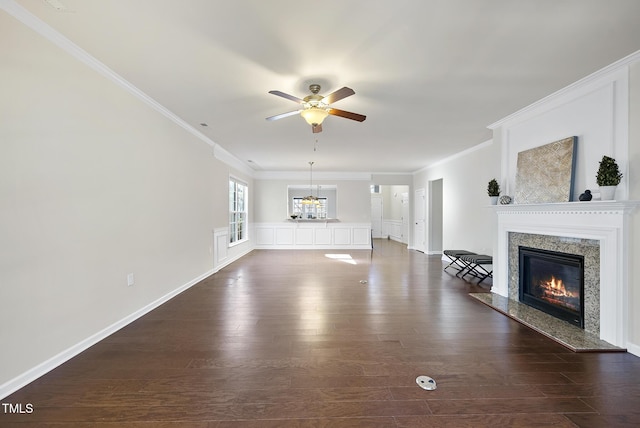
[
  {"x": 315, "y": 107},
  {"x": 314, "y": 115}
]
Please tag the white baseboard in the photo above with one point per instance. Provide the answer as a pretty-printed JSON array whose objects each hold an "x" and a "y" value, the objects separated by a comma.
[
  {"x": 316, "y": 247},
  {"x": 396, "y": 239},
  {"x": 633, "y": 349},
  {"x": 227, "y": 261},
  {"x": 43, "y": 368}
]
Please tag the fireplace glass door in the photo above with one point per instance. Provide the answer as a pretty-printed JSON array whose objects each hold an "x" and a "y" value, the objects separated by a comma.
[{"x": 553, "y": 282}]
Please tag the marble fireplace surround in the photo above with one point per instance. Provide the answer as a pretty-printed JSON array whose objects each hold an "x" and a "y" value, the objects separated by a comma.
[
  {"x": 588, "y": 248},
  {"x": 606, "y": 222}
]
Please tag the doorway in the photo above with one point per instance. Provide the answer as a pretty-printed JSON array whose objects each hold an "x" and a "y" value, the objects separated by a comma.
[
  {"x": 435, "y": 217},
  {"x": 376, "y": 216},
  {"x": 419, "y": 209},
  {"x": 405, "y": 218}
]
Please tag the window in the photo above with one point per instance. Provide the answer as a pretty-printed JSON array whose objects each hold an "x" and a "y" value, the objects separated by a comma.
[
  {"x": 327, "y": 195},
  {"x": 310, "y": 210},
  {"x": 238, "y": 193}
]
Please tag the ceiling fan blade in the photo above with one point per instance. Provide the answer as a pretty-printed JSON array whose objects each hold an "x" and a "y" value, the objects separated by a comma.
[
  {"x": 347, "y": 114},
  {"x": 317, "y": 128},
  {"x": 338, "y": 95},
  {"x": 282, "y": 115},
  {"x": 287, "y": 96}
]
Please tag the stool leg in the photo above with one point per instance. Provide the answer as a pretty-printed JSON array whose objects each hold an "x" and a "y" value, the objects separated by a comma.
[{"x": 453, "y": 261}]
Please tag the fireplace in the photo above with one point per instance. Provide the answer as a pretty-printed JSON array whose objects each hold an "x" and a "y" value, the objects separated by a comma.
[
  {"x": 553, "y": 282},
  {"x": 597, "y": 230}
]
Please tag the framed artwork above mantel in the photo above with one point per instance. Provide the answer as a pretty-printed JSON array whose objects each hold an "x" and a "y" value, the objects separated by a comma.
[{"x": 545, "y": 174}]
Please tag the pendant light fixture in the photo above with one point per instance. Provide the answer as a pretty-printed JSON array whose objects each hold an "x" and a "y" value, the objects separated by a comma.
[{"x": 310, "y": 200}]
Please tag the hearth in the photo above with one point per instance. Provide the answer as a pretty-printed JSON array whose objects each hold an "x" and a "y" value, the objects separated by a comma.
[{"x": 553, "y": 282}]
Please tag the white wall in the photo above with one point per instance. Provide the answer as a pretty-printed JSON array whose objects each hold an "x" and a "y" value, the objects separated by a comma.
[
  {"x": 272, "y": 229},
  {"x": 94, "y": 185},
  {"x": 595, "y": 111},
  {"x": 353, "y": 199},
  {"x": 392, "y": 196},
  {"x": 392, "y": 179},
  {"x": 398, "y": 181},
  {"x": 468, "y": 222},
  {"x": 393, "y": 226},
  {"x": 633, "y": 179}
]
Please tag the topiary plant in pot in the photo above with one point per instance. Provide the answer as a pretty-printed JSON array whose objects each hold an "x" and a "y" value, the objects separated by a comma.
[
  {"x": 493, "y": 190},
  {"x": 608, "y": 177}
]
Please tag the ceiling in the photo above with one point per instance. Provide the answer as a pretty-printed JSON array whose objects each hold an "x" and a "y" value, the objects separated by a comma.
[{"x": 430, "y": 75}]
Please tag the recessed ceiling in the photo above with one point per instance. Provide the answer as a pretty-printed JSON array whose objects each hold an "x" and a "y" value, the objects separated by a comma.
[{"x": 429, "y": 75}]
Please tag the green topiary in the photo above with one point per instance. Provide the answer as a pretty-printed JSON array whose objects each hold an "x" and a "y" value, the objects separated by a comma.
[
  {"x": 608, "y": 172},
  {"x": 493, "y": 189}
]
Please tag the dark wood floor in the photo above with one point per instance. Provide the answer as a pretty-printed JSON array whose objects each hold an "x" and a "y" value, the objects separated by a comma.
[{"x": 295, "y": 339}]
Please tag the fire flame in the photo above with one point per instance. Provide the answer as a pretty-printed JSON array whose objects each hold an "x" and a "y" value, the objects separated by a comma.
[{"x": 556, "y": 287}]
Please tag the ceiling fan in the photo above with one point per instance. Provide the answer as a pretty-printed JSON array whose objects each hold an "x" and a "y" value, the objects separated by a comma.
[{"x": 315, "y": 108}]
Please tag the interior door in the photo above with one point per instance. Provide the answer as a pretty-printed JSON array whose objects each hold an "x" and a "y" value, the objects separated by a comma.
[
  {"x": 376, "y": 216},
  {"x": 405, "y": 218},
  {"x": 419, "y": 236}
]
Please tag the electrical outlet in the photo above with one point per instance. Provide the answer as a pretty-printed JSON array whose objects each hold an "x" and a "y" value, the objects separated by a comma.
[{"x": 130, "y": 280}]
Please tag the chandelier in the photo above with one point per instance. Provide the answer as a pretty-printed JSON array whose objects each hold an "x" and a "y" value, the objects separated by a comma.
[{"x": 310, "y": 200}]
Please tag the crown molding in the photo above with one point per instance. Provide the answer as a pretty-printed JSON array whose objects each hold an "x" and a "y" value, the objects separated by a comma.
[
  {"x": 49, "y": 33},
  {"x": 304, "y": 175},
  {"x": 606, "y": 75},
  {"x": 455, "y": 156},
  {"x": 224, "y": 156}
]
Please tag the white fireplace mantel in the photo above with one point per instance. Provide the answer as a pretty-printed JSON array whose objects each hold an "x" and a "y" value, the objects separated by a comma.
[{"x": 605, "y": 221}]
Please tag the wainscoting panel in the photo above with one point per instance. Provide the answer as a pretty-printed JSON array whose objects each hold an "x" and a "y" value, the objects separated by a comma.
[
  {"x": 322, "y": 237},
  {"x": 361, "y": 236},
  {"x": 313, "y": 235},
  {"x": 220, "y": 239},
  {"x": 284, "y": 236},
  {"x": 342, "y": 236},
  {"x": 304, "y": 236},
  {"x": 393, "y": 229},
  {"x": 265, "y": 236}
]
